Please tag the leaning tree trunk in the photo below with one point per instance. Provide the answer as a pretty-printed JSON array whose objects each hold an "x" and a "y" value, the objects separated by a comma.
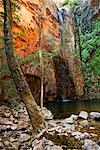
[
  {"x": 41, "y": 58},
  {"x": 35, "y": 115}
]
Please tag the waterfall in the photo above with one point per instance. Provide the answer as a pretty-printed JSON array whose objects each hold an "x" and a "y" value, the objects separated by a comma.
[
  {"x": 61, "y": 16},
  {"x": 64, "y": 81}
]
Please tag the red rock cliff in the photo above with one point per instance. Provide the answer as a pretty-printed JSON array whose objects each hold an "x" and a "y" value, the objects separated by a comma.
[{"x": 26, "y": 22}]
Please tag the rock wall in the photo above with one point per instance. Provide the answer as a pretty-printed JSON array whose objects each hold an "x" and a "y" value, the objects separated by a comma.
[{"x": 28, "y": 16}]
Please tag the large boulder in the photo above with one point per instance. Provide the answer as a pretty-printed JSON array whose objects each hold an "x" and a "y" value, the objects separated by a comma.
[
  {"x": 90, "y": 145},
  {"x": 95, "y": 116},
  {"x": 83, "y": 115}
]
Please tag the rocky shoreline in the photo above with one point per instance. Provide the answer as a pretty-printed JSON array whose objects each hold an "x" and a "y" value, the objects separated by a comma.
[{"x": 78, "y": 132}]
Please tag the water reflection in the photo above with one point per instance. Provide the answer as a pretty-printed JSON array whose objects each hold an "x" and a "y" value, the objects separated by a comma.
[{"x": 66, "y": 108}]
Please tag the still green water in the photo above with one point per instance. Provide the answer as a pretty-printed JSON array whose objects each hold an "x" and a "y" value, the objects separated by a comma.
[{"x": 68, "y": 107}]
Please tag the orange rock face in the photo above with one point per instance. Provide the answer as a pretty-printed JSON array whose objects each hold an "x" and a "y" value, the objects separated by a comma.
[
  {"x": 26, "y": 27},
  {"x": 36, "y": 26}
]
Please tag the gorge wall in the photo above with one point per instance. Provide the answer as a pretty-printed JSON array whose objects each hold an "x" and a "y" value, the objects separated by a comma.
[{"x": 28, "y": 16}]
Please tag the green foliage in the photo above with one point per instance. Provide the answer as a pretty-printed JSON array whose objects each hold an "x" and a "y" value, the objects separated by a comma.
[
  {"x": 87, "y": 32},
  {"x": 95, "y": 62},
  {"x": 7, "y": 83},
  {"x": 16, "y": 19},
  {"x": 15, "y": 8},
  {"x": 15, "y": 105},
  {"x": 16, "y": 5},
  {"x": 71, "y": 3},
  {"x": 4, "y": 70},
  {"x": 35, "y": 58},
  {"x": 90, "y": 44}
]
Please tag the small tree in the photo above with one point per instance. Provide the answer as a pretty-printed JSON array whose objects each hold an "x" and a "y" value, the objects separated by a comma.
[
  {"x": 17, "y": 75},
  {"x": 40, "y": 26}
]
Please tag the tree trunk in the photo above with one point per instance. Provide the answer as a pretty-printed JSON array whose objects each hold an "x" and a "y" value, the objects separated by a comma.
[
  {"x": 35, "y": 115},
  {"x": 41, "y": 58}
]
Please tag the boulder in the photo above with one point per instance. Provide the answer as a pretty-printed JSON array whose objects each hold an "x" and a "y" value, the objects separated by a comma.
[
  {"x": 84, "y": 123},
  {"x": 69, "y": 120},
  {"x": 83, "y": 115},
  {"x": 95, "y": 116},
  {"x": 74, "y": 116},
  {"x": 24, "y": 137},
  {"x": 90, "y": 145},
  {"x": 47, "y": 114}
]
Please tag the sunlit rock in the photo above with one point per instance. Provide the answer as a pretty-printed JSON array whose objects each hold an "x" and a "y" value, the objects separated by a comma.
[
  {"x": 83, "y": 115},
  {"x": 95, "y": 116}
]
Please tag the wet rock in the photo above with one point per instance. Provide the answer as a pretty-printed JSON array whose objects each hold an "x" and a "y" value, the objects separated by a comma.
[
  {"x": 24, "y": 137},
  {"x": 83, "y": 115},
  {"x": 95, "y": 116},
  {"x": 90, "y": 145}
]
